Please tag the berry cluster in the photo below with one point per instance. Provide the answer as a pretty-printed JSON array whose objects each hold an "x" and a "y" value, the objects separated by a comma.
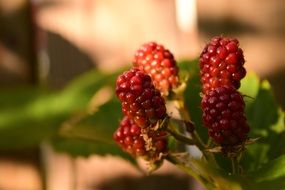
[
  {"x": 143, "y": 88},
  {"x": 221, "y": 63},
  {"x": 141, "y": 102},
  {"x": 221, "y": 69},
  {"x": 143, "y": 107},
  {"x": 223, "y": 115},
  {"x": 159, "y": 64},
  {"x": 131, "y": 140}
]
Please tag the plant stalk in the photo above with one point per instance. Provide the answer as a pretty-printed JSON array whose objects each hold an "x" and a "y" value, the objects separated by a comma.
[
  {"x": 179, "y": 102},
  {"x": 180, "y": 137},
  {"x": 186, "y": 116},
  {"x": 235, "y": 165},
  {"x": 205, "y": 182}
]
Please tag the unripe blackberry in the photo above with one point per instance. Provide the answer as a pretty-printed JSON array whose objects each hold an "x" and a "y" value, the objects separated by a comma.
[
  {"x": 223, "y": 115},
  {"x": 159, "y": 63},
  {"x": 141, "y": 102},
  {"x": 221, "y": 63},
  {"x": 129, "y": 137}
]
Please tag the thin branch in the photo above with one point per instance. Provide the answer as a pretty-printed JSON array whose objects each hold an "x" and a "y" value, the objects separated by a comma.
[
  {"x": 183, "y": 166},
  {"x": 180, "y": 137},
  {"x": 235, "y": 165}
]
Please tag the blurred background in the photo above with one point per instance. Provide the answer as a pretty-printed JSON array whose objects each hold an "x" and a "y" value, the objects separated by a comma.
[{"x": 47, "y": 43}]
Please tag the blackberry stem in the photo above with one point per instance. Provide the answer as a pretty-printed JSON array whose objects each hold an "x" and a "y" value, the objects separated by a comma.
[
  {"x": 180, "y": 137},
  {"x": 179, "y": 101},
  {"x": 235, "y": 165},
  {"x": 206, "y": 182}
]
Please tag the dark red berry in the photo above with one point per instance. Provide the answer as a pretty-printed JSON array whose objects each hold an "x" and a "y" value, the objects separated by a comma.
[
  {"x": 159, "y": 63},
  {"x": 221, "y": 63},
  {"x": 129, "y": 137},
  {"x": 223, "y": 115},
  {"x": 141, "y": 102}
]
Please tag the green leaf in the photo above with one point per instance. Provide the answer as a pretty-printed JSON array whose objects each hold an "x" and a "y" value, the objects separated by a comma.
[
  {"x": 92, "y": 133},
  {"x": 83, "y": 147},
  {"x": 277, "y": 184},
  {"x": 250, "y": 85},
  {"x": 271, "y": 174},
  {"x": 266, "y": 120},
  {"x": 18, "y": 97},
  {"x": 263, "y": 112},
  {"x": 27, "y": 123},
  {"x": 31, "y": 115},
  {"x": 270, "y": 171},
  {"x": 99, "y": 125},
  {"x": 78, "y": 94}
]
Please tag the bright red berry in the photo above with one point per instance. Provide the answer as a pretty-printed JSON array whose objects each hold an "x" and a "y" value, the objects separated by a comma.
[
  {"x": 141, "y": 102},
  {"x": 223, "y": 115},
  {"x": 159, "y": 63},
  {"x": 221, "y": 63},
  {"x": 129, "y": 137}
]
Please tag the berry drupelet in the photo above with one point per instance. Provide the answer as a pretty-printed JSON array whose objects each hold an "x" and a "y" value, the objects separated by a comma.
[
  {"x": 128, "y": 136},
  {"x": 140, "y": 100},
  {"x": 158, "y": 62},
  {"x": 223, "y": 115},
  {"x": 221, "y": 63}
]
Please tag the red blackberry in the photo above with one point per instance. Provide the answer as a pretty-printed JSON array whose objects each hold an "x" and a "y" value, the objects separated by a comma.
[
  {"x": 128, "y": 136},
  {"x": 159, "y": 63},
  {"x": 140, "y": 100},
  {"x": 221, "y": 63},
  {"x": 223, "y": 115}
]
